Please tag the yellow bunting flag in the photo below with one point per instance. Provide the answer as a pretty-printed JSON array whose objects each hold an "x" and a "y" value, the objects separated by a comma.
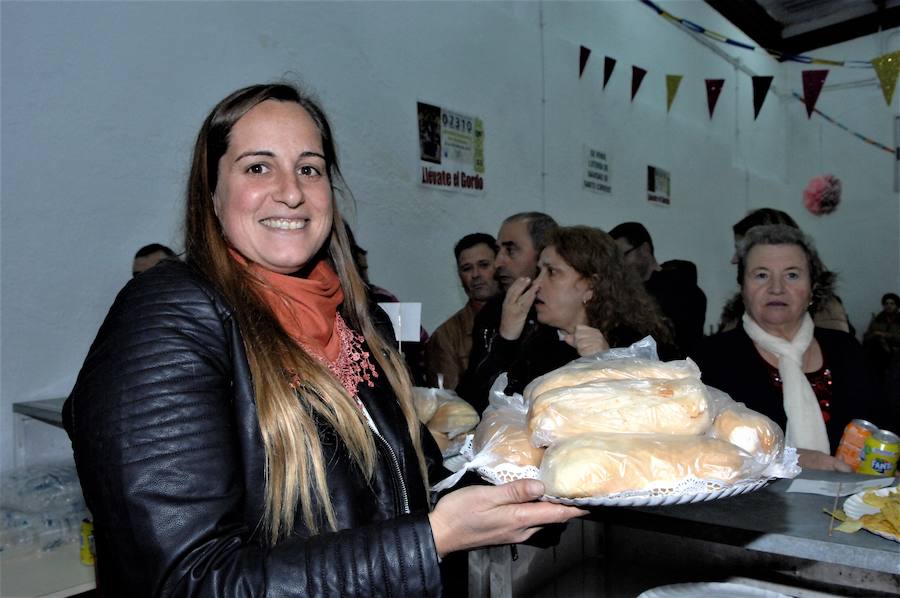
[
  {"x": 886, "y": 67},
  {"x": 672, "y": 83}
]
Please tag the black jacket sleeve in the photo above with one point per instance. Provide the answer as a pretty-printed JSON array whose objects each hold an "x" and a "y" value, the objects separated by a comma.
[{"x": 174, "y": 480}]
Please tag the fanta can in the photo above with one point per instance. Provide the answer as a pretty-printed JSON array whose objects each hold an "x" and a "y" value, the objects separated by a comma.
[{"x": 880, "y": 454}]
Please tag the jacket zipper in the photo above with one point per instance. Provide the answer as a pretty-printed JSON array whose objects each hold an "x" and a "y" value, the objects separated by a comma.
[{"x": 403, "y": 495}]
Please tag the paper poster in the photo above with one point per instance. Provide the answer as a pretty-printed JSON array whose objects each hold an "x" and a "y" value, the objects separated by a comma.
[
  {"x": 596, "y": 171},
  {"x": 451, "y": 150},
  {"x": 658, "y": 186},
  {"x": 406, "y": 318}
]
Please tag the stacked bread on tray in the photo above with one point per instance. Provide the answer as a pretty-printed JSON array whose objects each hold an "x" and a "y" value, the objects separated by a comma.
[{"x": 601, "y": 427}]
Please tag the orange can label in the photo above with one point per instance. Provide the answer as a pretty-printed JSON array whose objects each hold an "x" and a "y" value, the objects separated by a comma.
[{"x": 850, "y": 451}]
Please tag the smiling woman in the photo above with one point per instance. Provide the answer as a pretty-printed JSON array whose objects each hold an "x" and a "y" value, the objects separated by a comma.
[
  {"x": 273, "y": 196},
  {"x": 811, "y": 381},
  {"x": 240, "y": 425}
]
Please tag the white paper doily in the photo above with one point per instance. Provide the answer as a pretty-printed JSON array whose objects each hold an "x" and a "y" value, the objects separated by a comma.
[{"x": 653, "y": 500}]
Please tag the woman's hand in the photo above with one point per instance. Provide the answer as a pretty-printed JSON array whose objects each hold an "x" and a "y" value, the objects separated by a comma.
[
  {"x": 809, "y": 459},
  {"x": 490, "y": 515},
  {"x": 587, "y": 340},
  {"x": 518, "y": 301}
]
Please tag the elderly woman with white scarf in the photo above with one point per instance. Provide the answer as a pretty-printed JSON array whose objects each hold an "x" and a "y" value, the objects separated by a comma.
[{"x": 811, "y": 381}]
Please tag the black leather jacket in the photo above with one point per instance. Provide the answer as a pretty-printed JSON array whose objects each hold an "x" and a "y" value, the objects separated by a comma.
[{"x": 167, "y": 444}]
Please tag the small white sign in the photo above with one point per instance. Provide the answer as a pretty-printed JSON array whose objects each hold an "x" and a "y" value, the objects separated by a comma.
[
  {"x": 596, "y": 171},
  {"x": 406, "y": 318}
]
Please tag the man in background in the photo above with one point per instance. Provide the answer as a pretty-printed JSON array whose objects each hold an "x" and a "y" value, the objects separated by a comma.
[
  {"x": 520, "y": 241},
  {"x": 448, "y": 348},
  {"x": 673, "y": 284},
  {"x": 150, "y": 255}
]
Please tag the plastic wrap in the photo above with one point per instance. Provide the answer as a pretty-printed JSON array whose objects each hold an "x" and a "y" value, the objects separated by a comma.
[
  {"x": 453, "y": 416},
  {"x": 750, "y": 430},
  {"x": 604, "y": 464},
  {"x": 425, "y": 402},
  {"x": 503, "y": 434},
  {"x": 623, "y": 406},
  {"x": 597, "y": 368}
]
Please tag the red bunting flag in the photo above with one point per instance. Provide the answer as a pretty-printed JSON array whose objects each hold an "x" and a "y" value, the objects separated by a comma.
[
  {"x": 713, "y": 89},
  {"x": 813, "y": 81},
  {"x": 608, "y": 65},
  {"x": 760, "y": 89},
  {"x": 582, "y": 60},
  {"x": 637, "y": 76}
]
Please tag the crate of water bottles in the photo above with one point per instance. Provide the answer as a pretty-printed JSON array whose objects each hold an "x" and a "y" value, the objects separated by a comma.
[{"x": 41, "y": 509}]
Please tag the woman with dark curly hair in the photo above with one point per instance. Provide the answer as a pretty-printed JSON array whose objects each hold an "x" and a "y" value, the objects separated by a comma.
[
  {"x": 811, "y": 381},
  {"x": 586, "y": 293}
]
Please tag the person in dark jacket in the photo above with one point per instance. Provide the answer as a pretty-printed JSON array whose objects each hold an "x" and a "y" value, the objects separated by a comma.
[
  {"x": 519, "y": 242},
  {"x": 811, "y": 381},
  {"x": 673, "y": 284},
  {"x": 240, "y": 427}
]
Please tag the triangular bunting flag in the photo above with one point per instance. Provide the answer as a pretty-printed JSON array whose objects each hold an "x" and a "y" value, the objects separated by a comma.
[
  {"x": 813, "y": 81},
  {"x": 582, "y": 60},
  {"x": 608, "y": 65},
  {"x": 886, "y": 67},
  {"x": 760, "y": 89},
  {"x": 637, "y": 76},
  {"x": 713, "y": 89},
  {"x": 672, "y": 83}
]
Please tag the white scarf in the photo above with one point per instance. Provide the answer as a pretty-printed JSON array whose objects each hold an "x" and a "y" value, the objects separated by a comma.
[{"x": 805, "y": 426}]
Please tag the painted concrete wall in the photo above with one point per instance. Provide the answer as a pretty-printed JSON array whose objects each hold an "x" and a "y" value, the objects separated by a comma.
[{"x": 101, "y": 102}]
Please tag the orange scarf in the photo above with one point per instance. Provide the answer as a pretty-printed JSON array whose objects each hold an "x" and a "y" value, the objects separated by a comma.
[{"x": 306, "y": 307}]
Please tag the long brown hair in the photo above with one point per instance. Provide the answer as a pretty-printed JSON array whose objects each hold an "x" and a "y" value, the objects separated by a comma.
[
  {"x": 295, "y": 468},
  {"x": 618, "y": 297}
]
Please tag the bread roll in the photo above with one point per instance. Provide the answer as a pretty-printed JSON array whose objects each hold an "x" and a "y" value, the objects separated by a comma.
[
  {"x": 425, "y": 403},
  {"x": 453, "y": 417},
  {"x": 504, "y": 434},
  {"x": 603, "y": 464},
  {"x": 751, "y": 431},
  {"x": 582, "y": 371},
  {"x": 623, "y": 406}
]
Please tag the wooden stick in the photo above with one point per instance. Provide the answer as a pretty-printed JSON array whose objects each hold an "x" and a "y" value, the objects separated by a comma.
[{"x": 833, "y": 508}]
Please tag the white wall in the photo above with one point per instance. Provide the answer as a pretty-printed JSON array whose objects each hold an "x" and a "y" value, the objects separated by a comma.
[{"x": 100, "y": 103}]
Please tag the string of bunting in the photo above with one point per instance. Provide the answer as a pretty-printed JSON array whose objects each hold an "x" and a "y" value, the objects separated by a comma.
[
  {"x": 887, "y": 68},
  {"x": 839, "y": 125},
  {"x": 694, "y": 27}
]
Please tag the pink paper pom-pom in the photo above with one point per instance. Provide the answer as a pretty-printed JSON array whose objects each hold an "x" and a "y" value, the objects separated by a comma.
[{"x": 823, "y": 194}]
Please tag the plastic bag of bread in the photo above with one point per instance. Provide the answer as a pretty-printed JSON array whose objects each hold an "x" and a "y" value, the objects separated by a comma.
[
  {"x": 595, "y": 465},
  {"x": 425, "y": 402},
  {"x": 748, "y": 429},
  {"x": 502, "y": 435},
  {"x": 596, "y": 368},
  {"x": 453, "y": 415},
  {"x": 621, "y": 406}
]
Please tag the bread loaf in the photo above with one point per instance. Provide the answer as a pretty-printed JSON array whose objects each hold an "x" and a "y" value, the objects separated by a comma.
[
  {"x": 504, "y": 434},
  {"x": 582, "y": 371},
  {"x": 453, "y": 417},
  {"x": 751, "y": 431},
  {"x": 620, "y": 406},
  {"x": 603, "y": 464}
]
